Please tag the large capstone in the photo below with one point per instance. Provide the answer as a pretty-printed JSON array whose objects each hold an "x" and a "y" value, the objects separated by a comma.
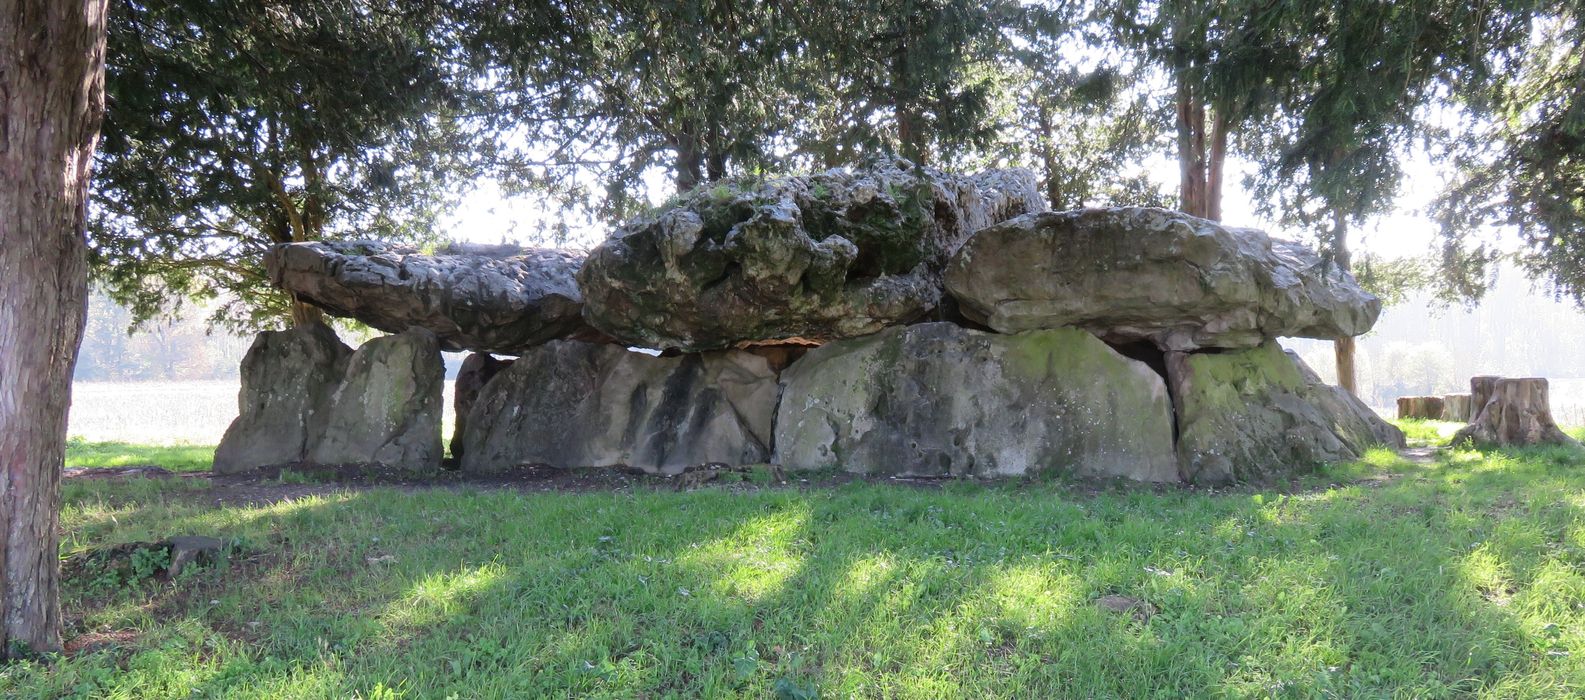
[
  {"x": 387, "y": 409},
  {"x": 288, "y": 378},
  {"x": 501, "y": 299},
  {"x": 576, "y": 404},
  {"x": 1138, "y": 273},
  {"x": 935, "y": 399},
  {"x": 793, "y": 260},
  {"x": 1260, "y": 414},
  {"x": 308, "y": 398}
]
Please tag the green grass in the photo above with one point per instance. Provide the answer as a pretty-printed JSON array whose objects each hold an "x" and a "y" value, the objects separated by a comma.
[
  {"x": 1422, "y": 433},
  {"x": 176, "y": 457},
  {"x": 1462, "y": 578}
]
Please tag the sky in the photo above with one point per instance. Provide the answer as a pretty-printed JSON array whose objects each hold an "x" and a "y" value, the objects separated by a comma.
[{"x": 486, "y": 216}]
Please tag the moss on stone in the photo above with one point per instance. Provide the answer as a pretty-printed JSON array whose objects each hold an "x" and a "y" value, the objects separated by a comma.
[{"x": 937, "y": 399}]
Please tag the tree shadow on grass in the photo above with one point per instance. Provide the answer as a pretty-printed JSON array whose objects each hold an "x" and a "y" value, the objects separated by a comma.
[{"x": 1437, "y": 583}]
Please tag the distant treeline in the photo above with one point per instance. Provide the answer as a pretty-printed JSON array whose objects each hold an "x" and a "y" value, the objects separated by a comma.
[
  {"x": 1424, "y": 346},
  {"x": 185, "y": 349},
  {"x": 182, "y": 349}
]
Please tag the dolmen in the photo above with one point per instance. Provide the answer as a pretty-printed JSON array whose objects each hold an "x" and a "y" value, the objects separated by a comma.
[{"x": 888, "y": 320}]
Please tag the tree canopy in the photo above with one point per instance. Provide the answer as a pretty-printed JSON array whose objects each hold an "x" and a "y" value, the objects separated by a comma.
[
  {"x": 235, "y": 125},
  {"x": 1521, "y": 163}
]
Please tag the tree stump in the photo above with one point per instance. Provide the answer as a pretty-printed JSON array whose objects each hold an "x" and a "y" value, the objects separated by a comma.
[
  {"x": 1456, "y": 407},
  {"x": 1480, "y": 390},
  {"x": 1518, "y": 413},
  {"x": 1420, "y": 407}
]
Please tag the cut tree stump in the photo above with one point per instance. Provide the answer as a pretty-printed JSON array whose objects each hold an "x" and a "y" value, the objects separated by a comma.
[
  {"x": 1420, "y": 407},
  {"x": 1518, "y": 413},
  {"x": 1480, "y": 390},
  {"x": 1456, "y": 407}
]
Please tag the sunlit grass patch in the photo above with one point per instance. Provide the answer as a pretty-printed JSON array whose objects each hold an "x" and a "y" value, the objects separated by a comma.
[
  {"x": 1422, "y": 433},
  {"x": 1458, "y": 577},
  {"x": 177, "y": 457}
]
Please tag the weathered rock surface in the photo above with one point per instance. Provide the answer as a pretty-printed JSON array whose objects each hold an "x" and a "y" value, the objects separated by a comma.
[
  {"x": 387, "y": 408},
  {"x": 799, "y": 259},
  {"x": 1357, "y": 420},
  {"x": 288, "y": 378},
  {"x": 499, "y": 299},
  {"x": 1138, "y": 273},
  {"x": 935, "y": 399},
  {"x": 307, "y": 397},
  {"x": 1257, "y": 414},
  {"x": 575, "y": 404},
  {"x": 476, "y": 371}
]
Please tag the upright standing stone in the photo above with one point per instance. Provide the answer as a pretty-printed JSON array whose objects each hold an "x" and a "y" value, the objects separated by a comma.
[
  {"x": 574, "y": 404},
  {"x": 387, "y": 408},
  {"x": 1257, "y": 414},
  {"x": 288, "y": 378},
  {"x": 476, "y": 371},
  {"x": 935, "y": 399}
]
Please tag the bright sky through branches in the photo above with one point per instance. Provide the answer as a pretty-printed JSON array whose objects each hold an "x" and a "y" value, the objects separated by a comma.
[{"x": 486, "y": 216}]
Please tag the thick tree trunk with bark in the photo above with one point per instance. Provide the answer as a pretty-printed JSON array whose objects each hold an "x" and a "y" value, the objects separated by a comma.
[
  {"x": 1519, "y": 413},
  {"x": 51, "y": 100},
  {"x": 690, "y": 162},
  {"x": 1201, "y": 155}
]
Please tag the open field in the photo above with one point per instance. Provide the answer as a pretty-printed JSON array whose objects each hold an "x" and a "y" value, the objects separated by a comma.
[
  {"x": 163, "y": 413},
  {"x": 1464, "y": 577}
]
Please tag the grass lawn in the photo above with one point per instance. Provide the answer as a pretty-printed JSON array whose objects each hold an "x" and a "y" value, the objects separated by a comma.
[
  {"x": 1463, "y": 577},
  {"x": 174, "y": 457}
]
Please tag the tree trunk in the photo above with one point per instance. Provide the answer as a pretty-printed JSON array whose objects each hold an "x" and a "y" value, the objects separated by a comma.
[
  {"x": 1519, "y": 413},
  {"x": 52, "y": 56},
  {"x": 1191, "y": 152},
  {"x": 1343, "y": 347},
  {"x": 299, "y": 223},
  {"x": 1213, "y": 168},
  {"x": 715, "y": 152},
  {"x": 304, "y": 313},
  {"x": 690, "y": 163},
  {"x": 910, "y": 127},
  {"x": 908, "y": 137},
  {"x": 1048, "y": 160}
]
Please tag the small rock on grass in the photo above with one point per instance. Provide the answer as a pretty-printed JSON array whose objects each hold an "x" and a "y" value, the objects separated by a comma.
[
  {"x": 187, "y": 549},
  {"x": 1141, "y": 610}
]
